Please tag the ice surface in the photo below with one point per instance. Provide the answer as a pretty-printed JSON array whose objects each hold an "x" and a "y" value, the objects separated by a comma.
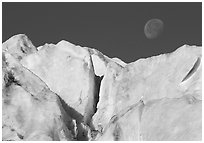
[{"x": 67, "y": 92}]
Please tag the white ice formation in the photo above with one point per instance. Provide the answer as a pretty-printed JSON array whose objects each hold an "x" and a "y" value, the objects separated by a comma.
[{"x": 69, "y": 92}]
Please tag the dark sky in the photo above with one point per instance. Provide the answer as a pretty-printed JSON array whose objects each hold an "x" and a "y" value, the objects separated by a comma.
[{"x": 115, "y": 29}]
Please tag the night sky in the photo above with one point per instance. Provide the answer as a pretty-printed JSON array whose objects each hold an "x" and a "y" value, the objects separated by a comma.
[{"x": 115, "y": 29}]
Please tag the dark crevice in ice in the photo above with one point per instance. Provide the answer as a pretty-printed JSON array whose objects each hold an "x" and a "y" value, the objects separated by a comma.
[
  {"x": 98, "y": 80},
  {"x": 91, "y": 107},
  {"x": 193, "y": 70}
]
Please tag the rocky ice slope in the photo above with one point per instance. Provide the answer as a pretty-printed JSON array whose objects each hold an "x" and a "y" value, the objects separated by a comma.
[{"x": 68, "y": 92}]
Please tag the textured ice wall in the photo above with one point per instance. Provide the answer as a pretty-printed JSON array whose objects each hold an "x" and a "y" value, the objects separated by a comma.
[{"x": 69, "y": 92}]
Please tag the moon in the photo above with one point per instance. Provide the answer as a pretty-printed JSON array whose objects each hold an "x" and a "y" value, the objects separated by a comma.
[{"x": 153, "y": 28}]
